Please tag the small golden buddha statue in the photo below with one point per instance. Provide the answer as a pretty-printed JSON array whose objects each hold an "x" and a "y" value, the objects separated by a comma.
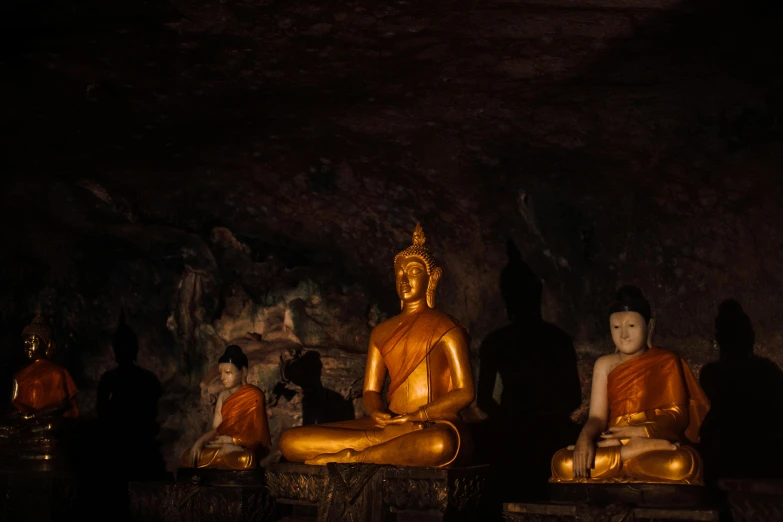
[
  {"x": 240, "y": 433},
  {"x": 646, "y": 406},
  {"x": 425, "y": 352},
  {"x": 43, "y": 393},
  {"x": 44, "y": 387}
]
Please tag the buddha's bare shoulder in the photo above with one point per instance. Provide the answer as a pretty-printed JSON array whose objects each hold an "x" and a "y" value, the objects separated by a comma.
[
  {"x": 607, "y": 363},
  {"x": 255, "y": 390},
  {"x": 385, "y": 328}
]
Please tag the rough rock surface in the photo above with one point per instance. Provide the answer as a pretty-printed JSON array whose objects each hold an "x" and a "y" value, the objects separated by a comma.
[{"x": 219, "y": 167}]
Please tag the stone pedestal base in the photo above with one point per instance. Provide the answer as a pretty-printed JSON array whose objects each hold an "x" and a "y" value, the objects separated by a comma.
[
  {"x": 204, "y": 495},
  {"x": 371, "y": 493},
  {"x": 37, "y": 497},
  {"x": 754, "y": 500},
  {"x": 609, "y": 502},
  {"x": 538, "y": 512},
  {"x": 637, "y": 495}
]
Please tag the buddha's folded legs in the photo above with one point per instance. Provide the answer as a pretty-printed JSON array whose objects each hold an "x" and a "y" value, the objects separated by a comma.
[
  {"x": 682, "y": 465},
  {"x": 435, "y": 446},
  {"x": 607, "y": 465},
  {"x": 307, "y": 442},
  {"x": 216, "y": 457},
  {"x": 409, "y": 444}
]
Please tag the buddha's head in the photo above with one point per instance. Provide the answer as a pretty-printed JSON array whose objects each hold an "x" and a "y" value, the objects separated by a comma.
[
  {"x": 629, "y": 318},
  {"x": 38, "y": 339},
  {"x": 416, "y": 272},
  {"x": 232, "y": 367}
]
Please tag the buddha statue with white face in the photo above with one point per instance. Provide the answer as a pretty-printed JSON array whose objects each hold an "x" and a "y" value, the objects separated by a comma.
[
  {"x": 646, "y": 408},
  {"x": 239, "y": 436}
]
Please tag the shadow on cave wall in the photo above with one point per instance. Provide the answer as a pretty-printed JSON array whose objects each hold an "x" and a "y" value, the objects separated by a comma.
[
  {"x": 319, "y": 404},
  {"x": 667, "y": 93},
  {"x": 121, "y": 444},
  {"x": 536, "y": 363},
  {"x": 743, "y": 432}
]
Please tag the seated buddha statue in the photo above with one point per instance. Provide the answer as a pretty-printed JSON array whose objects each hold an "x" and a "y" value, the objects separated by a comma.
[
  {"x": 240, "y": 433},
  {"x": 646, "y": 408},
  {"x": 43, "y": 393},
  {"x": 425, "y": 353}
]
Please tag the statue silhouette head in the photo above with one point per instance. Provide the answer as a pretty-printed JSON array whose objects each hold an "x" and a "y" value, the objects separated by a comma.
[
  {"x": 125, "y": 342},
  {"x": 734, "y": 331}
]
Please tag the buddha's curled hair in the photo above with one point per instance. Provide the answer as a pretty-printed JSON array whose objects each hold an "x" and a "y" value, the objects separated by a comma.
[{"x": 234, "y": 355}]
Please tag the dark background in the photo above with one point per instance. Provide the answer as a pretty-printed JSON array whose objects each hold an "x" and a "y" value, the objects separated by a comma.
[{"x": 203, "y": 164}]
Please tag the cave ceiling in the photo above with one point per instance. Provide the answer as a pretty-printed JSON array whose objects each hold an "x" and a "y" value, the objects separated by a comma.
[{"x": 612, "y": 141}]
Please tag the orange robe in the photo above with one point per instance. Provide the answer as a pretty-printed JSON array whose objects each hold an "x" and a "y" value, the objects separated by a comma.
[
  {"x": 45, "y": 385},
  {"x": 655, "y": 381},
  {"x": 408, "y": 344},
  {"x": 244, "y": 420},
  {"x": 657, "y": 391}
]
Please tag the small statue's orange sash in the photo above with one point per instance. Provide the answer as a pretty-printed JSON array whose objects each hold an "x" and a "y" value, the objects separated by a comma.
[
  {"x": 244, "y": 418},
  {"x": 44, "y": 385},
  {"x": 408, "y": 344},
  {"x": 657, "y": 379}
]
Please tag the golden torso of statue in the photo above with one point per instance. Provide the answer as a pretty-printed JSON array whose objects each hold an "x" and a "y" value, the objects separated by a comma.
[
  {"x": 423, "y": 385},
  {"x": 431, "y": 377}
]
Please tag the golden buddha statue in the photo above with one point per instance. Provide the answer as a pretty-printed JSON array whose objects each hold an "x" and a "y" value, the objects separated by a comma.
[
  {"x": 44, "y": 387},
  {"x": 240, "y": 433},
  {"x": 646, "y": 406},
  {"x": 426, "y": 355},
  {"x": 43, "y": 394}
]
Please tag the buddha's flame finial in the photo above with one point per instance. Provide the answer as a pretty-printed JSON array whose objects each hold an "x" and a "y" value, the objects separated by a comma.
[
  {"x": 418, "y": 249},
  {"x": 39, "y": 328},
  {"x": 418, "y": 236}
]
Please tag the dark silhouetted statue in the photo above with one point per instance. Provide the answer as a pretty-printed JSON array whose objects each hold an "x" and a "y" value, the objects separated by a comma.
[
  {"x": 536, "y": 363},
  {"x": 743, "y": 432},
  {"x": 127, "y": 412}
]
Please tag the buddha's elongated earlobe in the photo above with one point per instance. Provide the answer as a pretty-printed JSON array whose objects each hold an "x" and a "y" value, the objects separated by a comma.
[
  {"x": 650, "y": 332},
  {"x": 432, "y": 286}
]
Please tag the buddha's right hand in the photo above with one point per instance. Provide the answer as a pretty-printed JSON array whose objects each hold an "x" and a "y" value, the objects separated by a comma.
[
  {"x": 381, "y": 417},
  {"x": 637, "y": 446},
  {"x": 195, "y": 453},
  {"x": 584, "y": 457}
]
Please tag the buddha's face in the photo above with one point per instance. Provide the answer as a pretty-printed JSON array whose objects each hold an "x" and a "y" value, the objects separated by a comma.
[
  {"x": 629, "y": 332},
  {"x": 230, "y": 375},
  {"x": 35, "y": 347},
  {"x": 411, "y": 279}
]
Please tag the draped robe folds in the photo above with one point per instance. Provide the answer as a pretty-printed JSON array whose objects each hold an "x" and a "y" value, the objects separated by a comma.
[
  {"x": 244, "y": 420},
  {"x": 409, "y": 354},
  {"x": 658, "y": 380},
  {"x": 658, "y": 392},
  {"x": 410, "y": 342},
  {"x": 44, "y": 385}
]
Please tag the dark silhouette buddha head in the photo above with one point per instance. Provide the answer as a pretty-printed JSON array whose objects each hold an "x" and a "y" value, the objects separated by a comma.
[
  {"x": 125, "y": 343},
  {"x": 520, "y": 287},
  {"x": 733, "y": 331}
]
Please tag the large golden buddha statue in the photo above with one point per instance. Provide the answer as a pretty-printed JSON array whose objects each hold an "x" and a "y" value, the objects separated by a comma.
[
  {"x": 425, "y": 352},
  {"x": 646, "y": 407},
  {"x": 240, "y": 431}
]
